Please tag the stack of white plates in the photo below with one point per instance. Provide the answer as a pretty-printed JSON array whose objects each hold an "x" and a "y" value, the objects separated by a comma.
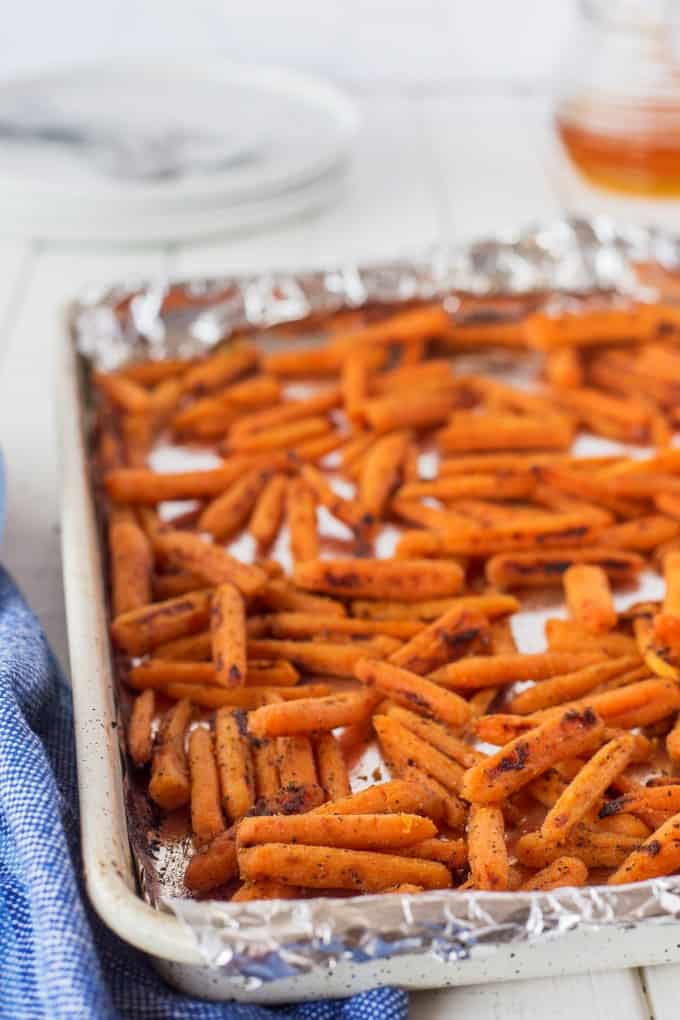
[{"x": 147, "y": 153}]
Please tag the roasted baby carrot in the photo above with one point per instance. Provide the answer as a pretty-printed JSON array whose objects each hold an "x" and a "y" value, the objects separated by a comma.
[
  {"x": 220, "y": 368},
  {"x": 402, "y": 748},
  {"x": 206, "y": 813},
  {"x": 487, "y": 852},
  {"x": 302, "y": 523},
  {"x": 469, "y": 431},
  {"x": 569, "y": 686},
  {"x": 353, "y": 832},
  {"x": 234, "y": 763},
  {"x": 351, "y": 512},
  {"x": 435, "y": 734},
  {"x": 140, "y": 630},
  {"x": 214, "y": 864},
  {"x": 422, "y": 409},
  {"x": 123, "y": 392},
  {"x": 131, "y": 562},
  {"x": 563, "y": 871},
  {"x": 406, "y": 580},
  {"x": 331, "y": 766},
  {"x": 667, "y": 622},
  {"x": 265, "y": 768},
  {"x": 403, "y": 327},
  {"x": 414, "y": 692},
  {"x": 658, "y": 855},
  {"x": 381, "y": 472},
  {"x": 595, "y": 848},
  {"x": 139, "y": 738},
  {"x": 564, "y": 368},
  {"x": 308, "y": 715},
  {"x": 297, "y": 770},
  {"x": 491, "y": 606},
  {"x": 293, "y": 410},
  {"x": 451, "y": 852},
  {"x": 213, "y": 564},
  {"x": 139, "y": 485},
  {"x": 541, "y": 569},
  {"x": 279, "y": 595},
  {"x": 533, "y": 531},
  {"x": 306, "y": 625},
  {"x": 569, "y": 636},
  {"x": 589, "y": 597},
  {"x": 396, "y": 796},
  {"x": 266, "y": 889},
  {"x": 592, "y": 326},
  {"x": 314, "y": 656},
  {"x": 501, "y": 486},
  {"x": 492, "y": 671},
  {"x": 587, "y": 787},
  {"x": 268, "y": 512},
  {"x": 228, "y": 635},
  {"x": 226, "y": 514},
  {"x": 332, "y": 868},
  {"x": 169, "y": 786},
  {"x": 566, "y": 736},
  {"x": 453, "y": 635}
]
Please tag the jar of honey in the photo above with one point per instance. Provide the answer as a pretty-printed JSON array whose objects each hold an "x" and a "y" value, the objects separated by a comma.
[{"x": 617, "y": 111}]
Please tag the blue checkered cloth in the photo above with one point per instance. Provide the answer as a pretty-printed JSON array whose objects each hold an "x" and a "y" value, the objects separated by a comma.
[{"x": 57, "y": 960}]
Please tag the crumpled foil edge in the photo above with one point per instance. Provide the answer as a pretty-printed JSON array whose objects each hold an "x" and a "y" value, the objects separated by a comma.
[{"x": 268, "y": 940}]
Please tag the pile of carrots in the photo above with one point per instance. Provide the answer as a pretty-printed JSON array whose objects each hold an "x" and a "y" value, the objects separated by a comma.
[{"x": 377, "y": 603}]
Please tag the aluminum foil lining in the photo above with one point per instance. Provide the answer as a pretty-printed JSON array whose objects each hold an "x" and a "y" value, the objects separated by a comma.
[{"x": 269, "y": 940}]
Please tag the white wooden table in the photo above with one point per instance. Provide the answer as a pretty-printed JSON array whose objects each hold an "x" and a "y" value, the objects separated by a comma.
[{"x": 428, "y": 168}]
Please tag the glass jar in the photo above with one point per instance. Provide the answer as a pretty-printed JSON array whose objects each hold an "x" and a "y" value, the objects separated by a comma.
[{"x": 617, "y": 111}]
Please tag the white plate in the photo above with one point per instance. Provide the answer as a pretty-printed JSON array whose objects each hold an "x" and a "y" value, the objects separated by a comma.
[
  {"x": 154, "y": 226},
  {"x": 275, "y": 132}
]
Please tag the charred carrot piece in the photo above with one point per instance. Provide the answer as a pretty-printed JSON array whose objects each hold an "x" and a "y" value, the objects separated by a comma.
[
  {"x": 331, "y": 767},
  {"x": 502, "y": 486},
  {"x": 487, "y": 852},
  {"x": 234, "y": 763},
  {"x": 228, "y": 636},
  {"x": 297, "y": 770},
  {"x": 140, "y": 630},
  {"x": 658, "y": 855},
  {"x": 520, "y": 533},
  {"x": 467, "y": 431},
  {"x": 406, "y": 580},
  {"x": 559, "y": 689},
  {"x": 131, "y": 561},
  {"x": 484, "y": 671},
  {"x": 332, "y": 868},
  {"x": 589, "y": 597},
  {"x": 544, "y": 569},
  {"x": 268, "y": 512},
  {"x": 401, "y": 748},
  {"x": 169, "y": 786},
  {"x": 569, "y": 636},
  {"x": 266, "y": 769},
  {"x": 395, "y": 796},
  {"x": 227, "y": 514},
  {"x": 140, "y": 485},
  {"x": 525, "y": 757},
  {"x": 302, "y": 523},
  {"x": 123, "y": 392},
  {"x": 352, "y": 513},
  {"x": 434, "y": 734},
  {"x": 564, "y": 871},
  {"x": 587, "y": 787},
  {"x": 381, "y": 472},
  {"x": 280, "y": 596},
  {"x": 139, "y": 739},
  {"x": 351, "y": 832},
  {"x": 214, "y": 864},
  {"x": 219, "y": 369},
  {"x": 266, "y": 889},
  {"x": 213, "y": 564},
  {"x": 419, "y": 323},
  {"x": 452, "y": 636},
  {"x": 491, "y": 606},
  {"x": 308, "y": 715},
  {"x": 595, "y": 848},
  {"x": 206, "y": 813},
  {"x": 414, "y": 692},
  {"x": 293, "y": 410}
]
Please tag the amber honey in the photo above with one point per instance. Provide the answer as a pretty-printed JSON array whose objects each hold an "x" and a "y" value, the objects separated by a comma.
[{"x": 643, "y": 162}]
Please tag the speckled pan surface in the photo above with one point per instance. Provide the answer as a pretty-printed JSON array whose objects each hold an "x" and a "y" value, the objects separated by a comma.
[{"x": 276, "y": 951}]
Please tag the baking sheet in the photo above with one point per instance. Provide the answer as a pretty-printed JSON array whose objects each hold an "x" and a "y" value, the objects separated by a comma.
[{"x": 269, "y": 940}]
